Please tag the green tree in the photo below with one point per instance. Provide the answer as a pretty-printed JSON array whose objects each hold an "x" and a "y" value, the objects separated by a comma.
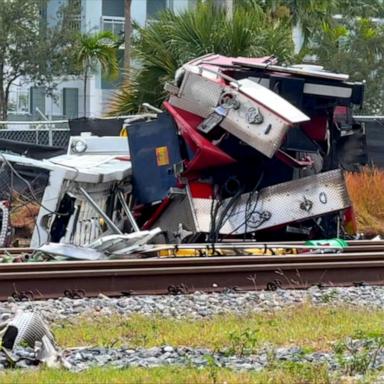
[
  {"x": 360, "y": 8},
  {"x": 309, "y": 16},
  {"x": 355, "y": 46},
  {"x": 172, "y": 39},
  {"x": 32, "y": 47},
  {"x": 95, "y": 50}
]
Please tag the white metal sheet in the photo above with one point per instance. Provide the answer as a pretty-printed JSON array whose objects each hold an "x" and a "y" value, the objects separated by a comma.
[
  {"x": 93, "y": 168},
  {"x": 327, "y": 90},
  {"x": 95, "y": 145},
  {"x": 314, "y": 89},
  {"x": 272, "y": 101},
  {"x": 300, "y": 70}
]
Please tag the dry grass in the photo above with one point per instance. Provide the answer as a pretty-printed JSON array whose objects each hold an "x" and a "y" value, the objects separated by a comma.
[
  {"x": 313, "y": 328},
  {"x": 366, "y": 190}
]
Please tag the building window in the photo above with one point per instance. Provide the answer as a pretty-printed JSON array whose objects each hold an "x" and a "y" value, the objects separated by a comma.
[
  {"x": 155, "y": 6},
  {"x": 71, "y": 102},
  {"x": 37, "y": 101},
  {"x": 18, "y": 102},
  {"x": 113, "y": 24},
  {"x": 113, "y": 8},
  {"x": 72, "y": 15}
]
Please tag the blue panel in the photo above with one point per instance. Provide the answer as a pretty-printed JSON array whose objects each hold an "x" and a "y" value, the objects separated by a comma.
[{"x": 154, "y": 148}]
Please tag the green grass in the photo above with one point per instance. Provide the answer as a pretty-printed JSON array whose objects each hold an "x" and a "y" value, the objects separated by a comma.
[
  {"x": 314, "y": 328},
  {"x": 290, "y": 374}
]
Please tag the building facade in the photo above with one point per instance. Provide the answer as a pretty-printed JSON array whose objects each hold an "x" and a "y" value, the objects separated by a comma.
[{"x": 30, "y": 102}]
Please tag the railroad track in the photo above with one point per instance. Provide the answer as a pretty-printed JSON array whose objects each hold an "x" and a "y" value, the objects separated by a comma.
[{"x": 361, "y": 263}]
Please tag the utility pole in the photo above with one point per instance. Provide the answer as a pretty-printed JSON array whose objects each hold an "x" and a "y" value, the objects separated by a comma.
[{"x": 127, "y": 33}]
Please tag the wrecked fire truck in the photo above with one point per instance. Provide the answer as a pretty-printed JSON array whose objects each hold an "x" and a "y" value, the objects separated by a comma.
[{"x": 243, "y": 149}]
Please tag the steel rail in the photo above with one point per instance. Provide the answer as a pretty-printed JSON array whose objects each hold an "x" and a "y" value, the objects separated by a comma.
[
  {"x": 188, "y": 261},
  {"x": 185, "y": 276},
  {"x": 355, "y": 246}
]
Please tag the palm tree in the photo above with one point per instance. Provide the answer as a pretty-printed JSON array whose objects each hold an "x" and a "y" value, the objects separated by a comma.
[
  {"x": 127, "y": 33},
  {"x": 97, "y": 49},
  {"x": 164, "y": 44},
  {"x": 309, "y": 16},
  {"x": 306, "y": 16}
]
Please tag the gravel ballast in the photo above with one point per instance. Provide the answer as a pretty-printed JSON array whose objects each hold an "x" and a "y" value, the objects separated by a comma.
[
  {"x": 199, "y": 305},
  {"x": 196, "y": 306}
]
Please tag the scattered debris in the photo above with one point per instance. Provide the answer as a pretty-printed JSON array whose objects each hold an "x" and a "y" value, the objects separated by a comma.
[{"x": 28, "y": 328}]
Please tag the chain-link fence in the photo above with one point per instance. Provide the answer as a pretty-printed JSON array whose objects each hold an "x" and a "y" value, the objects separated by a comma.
[
  {"x": 54, "y": 134},
  {"x": 54, "y": 137}
]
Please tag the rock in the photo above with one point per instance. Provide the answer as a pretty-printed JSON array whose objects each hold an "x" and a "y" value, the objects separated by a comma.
[{"x": 155, "y": 351}]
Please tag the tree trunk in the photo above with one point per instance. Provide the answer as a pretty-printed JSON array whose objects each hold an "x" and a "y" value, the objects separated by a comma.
[
  {"x": 3, "y": 105},
  {"x": 85, "y": 90},
  {"x": 127, "y": 34},
  {"x": 3, "y": 101},
  {"x": 6, "y": 99}
]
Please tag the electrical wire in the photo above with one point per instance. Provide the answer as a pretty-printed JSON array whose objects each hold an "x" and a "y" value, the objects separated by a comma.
[
  {"x": 26, "y": 205},
  {"x": 31, "y": 190},
  {"x": 250, "y": 212}
]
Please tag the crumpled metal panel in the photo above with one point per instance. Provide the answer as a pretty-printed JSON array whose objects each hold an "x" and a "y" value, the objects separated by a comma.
[
  {"x": 284, "y": 203},
  {"x": 179, "y": 211},
  {"x": 70, "y": 251},
  {"x": 263, "y": 127}
]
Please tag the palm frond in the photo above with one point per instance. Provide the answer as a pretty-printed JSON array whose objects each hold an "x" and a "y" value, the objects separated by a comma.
[{"x": 166, "y": 43}]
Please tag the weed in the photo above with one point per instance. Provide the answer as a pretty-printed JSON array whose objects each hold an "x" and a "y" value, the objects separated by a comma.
[
  {"x": 303, "y": 326},
  {"x": 242, "y": 343},
  {"x": 328, "y": 297},
  {"x": 358, "y": 357},
  {"x": 272, "y": 362},
  {"x": 212, "y": 368},
  {"x": 306, "y": 373}
]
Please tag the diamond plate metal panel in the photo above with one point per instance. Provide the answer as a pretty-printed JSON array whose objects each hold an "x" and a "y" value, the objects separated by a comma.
[
  {"x": 284, "y": 203},
  {"x": 266, "y": 136},
  {"x": 200, "y": 89}
]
